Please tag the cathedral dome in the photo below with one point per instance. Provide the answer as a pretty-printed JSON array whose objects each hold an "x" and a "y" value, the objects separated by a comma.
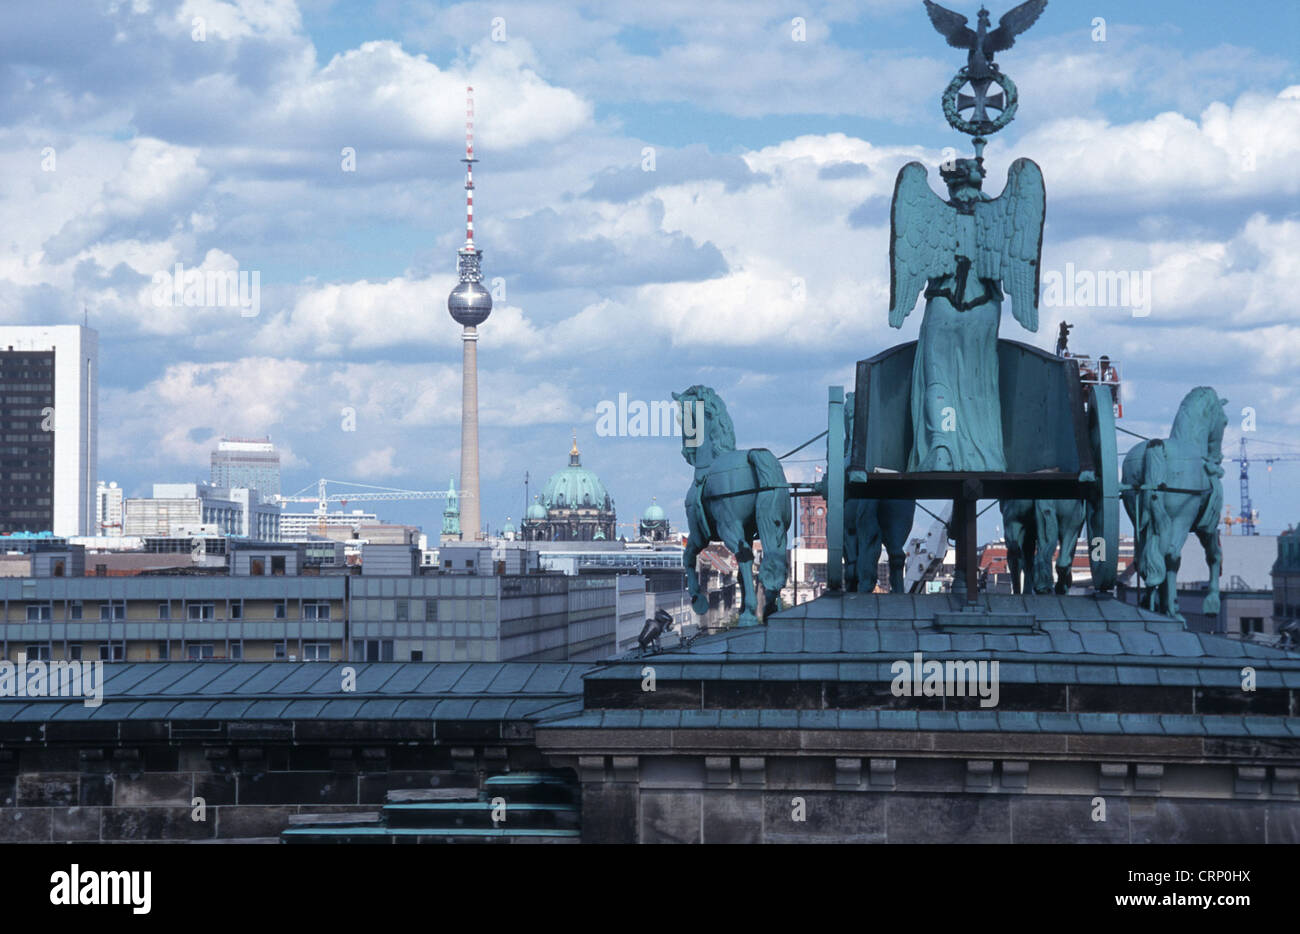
[
  {"x": 575, "y": 487},
  {"x": 535, "y": 510},
  {"x": 654, "y": 514}
]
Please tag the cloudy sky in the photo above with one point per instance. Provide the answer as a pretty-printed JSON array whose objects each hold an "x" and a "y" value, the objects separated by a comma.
[{"x": 138, "y": 134}]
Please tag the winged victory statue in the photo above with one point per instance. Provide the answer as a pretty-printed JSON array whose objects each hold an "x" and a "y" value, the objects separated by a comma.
[{"x": 964, "y": 252}]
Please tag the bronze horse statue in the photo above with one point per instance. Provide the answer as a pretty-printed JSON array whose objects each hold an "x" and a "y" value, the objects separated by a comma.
[
  {"x": 737, "y": 496},
  {"x": 1172, "y": 488}
]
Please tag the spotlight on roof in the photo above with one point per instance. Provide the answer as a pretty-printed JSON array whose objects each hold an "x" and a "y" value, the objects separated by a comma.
[{"x": 653, "y": 629}]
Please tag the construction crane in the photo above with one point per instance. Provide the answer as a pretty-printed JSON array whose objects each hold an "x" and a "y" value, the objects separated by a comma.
[
  {"x": 323, "y": 498},
  {"x": 925, "y": 556},
  {"x": 1247, "y": 514}
]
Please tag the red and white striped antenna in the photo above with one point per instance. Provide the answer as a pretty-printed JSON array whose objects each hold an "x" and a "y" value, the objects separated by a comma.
[{"x": 469, "y": 161}]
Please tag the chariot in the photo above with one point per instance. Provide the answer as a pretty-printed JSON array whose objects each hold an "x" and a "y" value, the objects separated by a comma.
[{"x": 1058, "y": 436}]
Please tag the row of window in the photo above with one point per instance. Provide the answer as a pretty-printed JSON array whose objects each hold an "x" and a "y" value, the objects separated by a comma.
[
  {"x": 194, "y": 651},
  {"x": 110, "y": 612}
]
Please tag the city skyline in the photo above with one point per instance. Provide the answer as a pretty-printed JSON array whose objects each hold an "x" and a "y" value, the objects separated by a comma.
[{"x": 615, "y": 279}]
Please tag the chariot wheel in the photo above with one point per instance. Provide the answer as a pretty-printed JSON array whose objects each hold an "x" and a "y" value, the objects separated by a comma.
[{"x": 1103, "y": 496}]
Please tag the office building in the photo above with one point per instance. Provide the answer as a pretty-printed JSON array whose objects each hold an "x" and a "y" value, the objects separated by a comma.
[
  {"x": 108, "y": 508},
  {"x": 49, "y": 380},
  {"x": 240, "y": 463}
]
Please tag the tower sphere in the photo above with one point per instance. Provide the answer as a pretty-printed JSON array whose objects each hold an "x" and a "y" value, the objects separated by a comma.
[{"x": 469, "y": 303}]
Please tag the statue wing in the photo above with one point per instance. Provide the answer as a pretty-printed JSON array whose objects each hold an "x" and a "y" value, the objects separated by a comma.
[
  {"x": 1009, "y": 237},
  {"x": 922, "y": 241},
  {"x": 952, "y": 26},
  {"x": 1013, "y": 23}
]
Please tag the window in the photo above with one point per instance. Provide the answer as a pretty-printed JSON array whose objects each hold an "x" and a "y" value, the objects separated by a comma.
[
  {"x": 164, "y": 651},
  {"x": 315, "y": 611},
  {"x": 236, "y": 650},
  {"x": 74, "y": 653},
  {"x": 403, "y": 609},
  {"x": 281, "y": 651},
  {"x": 256, "y": 567},
  {"x": 112, "y": 652},
  {"x": 164, "y": 611},
  {"x": 197, "y": 651},
  {"x": 38, "y": 653},
  {"x": 59, "y": 568},
  {"x": 1252, "y": 624},
  {"x": 281, "y": 610},
  {"x": 417, "y": 655},
  {"x": 74, "y": 610},
  {"x": 431, "y": 610},
  {"x": 236, "y": 610},
  {"x": 315, "y": 651},
  {"x": 39, "y": 614},
  {"x": 111, "y": 611},
  {"x": 202, "y": 611},
  {"x": 277, "y": 565},
  {"x": 372, "y": 650}
]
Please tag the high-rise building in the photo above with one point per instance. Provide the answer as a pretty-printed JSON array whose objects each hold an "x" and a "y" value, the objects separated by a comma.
[
  {"x": 108, "y": 509},
  {"x": 49, "y": 379},
  {"x": 243, "y": 463},
  {"x": 469, "y": 304}
]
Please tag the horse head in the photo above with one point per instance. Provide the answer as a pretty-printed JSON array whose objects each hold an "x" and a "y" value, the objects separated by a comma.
[
  {"x": 1201, "y": 421},
  {"x": 706, "y": 427}
]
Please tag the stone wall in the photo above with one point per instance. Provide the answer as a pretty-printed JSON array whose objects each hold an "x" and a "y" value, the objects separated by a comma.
[
  {"x": 251, "y": 785},
  {"x": 636, "y": 795}
]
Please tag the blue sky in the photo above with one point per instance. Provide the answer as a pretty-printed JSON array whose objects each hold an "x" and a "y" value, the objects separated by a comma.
[{"x": 1170, "y": 147}]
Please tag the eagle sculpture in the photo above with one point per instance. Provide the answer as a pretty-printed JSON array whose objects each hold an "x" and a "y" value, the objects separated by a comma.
[{"x": 983, "y": 45}]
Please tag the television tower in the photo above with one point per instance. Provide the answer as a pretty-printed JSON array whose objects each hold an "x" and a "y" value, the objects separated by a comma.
[{"x": 469, "y": 304}]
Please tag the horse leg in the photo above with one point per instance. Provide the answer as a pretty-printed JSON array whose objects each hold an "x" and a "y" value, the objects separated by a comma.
[
  {"x": 850, "y": 547},
  {"x": 1071, "y": 525},
  {"x": 690, "y": 554},
  {"x": 748, "y": 596},
  {"x": 732, "y": 534},
  {"x": 1209, "y": 539},
  {"x": 897, "y": 563},
  {"x": 1046, "y": 525},
  {"x": 1171, "y": 587}
]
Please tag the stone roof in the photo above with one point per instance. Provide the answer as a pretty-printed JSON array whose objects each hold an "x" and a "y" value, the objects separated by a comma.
[{"x": 280, "y": 690}]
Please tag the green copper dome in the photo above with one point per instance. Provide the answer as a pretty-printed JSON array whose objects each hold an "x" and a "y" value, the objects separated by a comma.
[
  {"x": 575, "y": 487},
  {"x": 535, "y": 510},
  {"x": 654, "y": 514}
]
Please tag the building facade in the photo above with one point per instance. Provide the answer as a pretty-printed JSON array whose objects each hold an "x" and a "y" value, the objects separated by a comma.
[
  {"x": 299, "y": 526},
  {"x": 195, "y": 508},
  {"x": 247, "y": 464},
  {"x": 49, "y": 378},
  {"x": 109, "y": 508},
  {"x": 272, "y": 602}
]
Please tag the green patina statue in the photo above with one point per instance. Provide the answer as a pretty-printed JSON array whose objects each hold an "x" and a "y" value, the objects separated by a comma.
[
  {"x": 1036, "y": 531},
  {"x": 737, "y": 496},
  {"x": 1172, "y": 488},
  {"x": 871, "y": 525},
  {"x": 963, "y": 252}
]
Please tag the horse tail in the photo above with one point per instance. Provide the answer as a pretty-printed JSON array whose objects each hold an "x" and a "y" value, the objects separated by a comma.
[
  {"x": 1154, "y": 515},
  {"x": 772, "y": 516}
]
